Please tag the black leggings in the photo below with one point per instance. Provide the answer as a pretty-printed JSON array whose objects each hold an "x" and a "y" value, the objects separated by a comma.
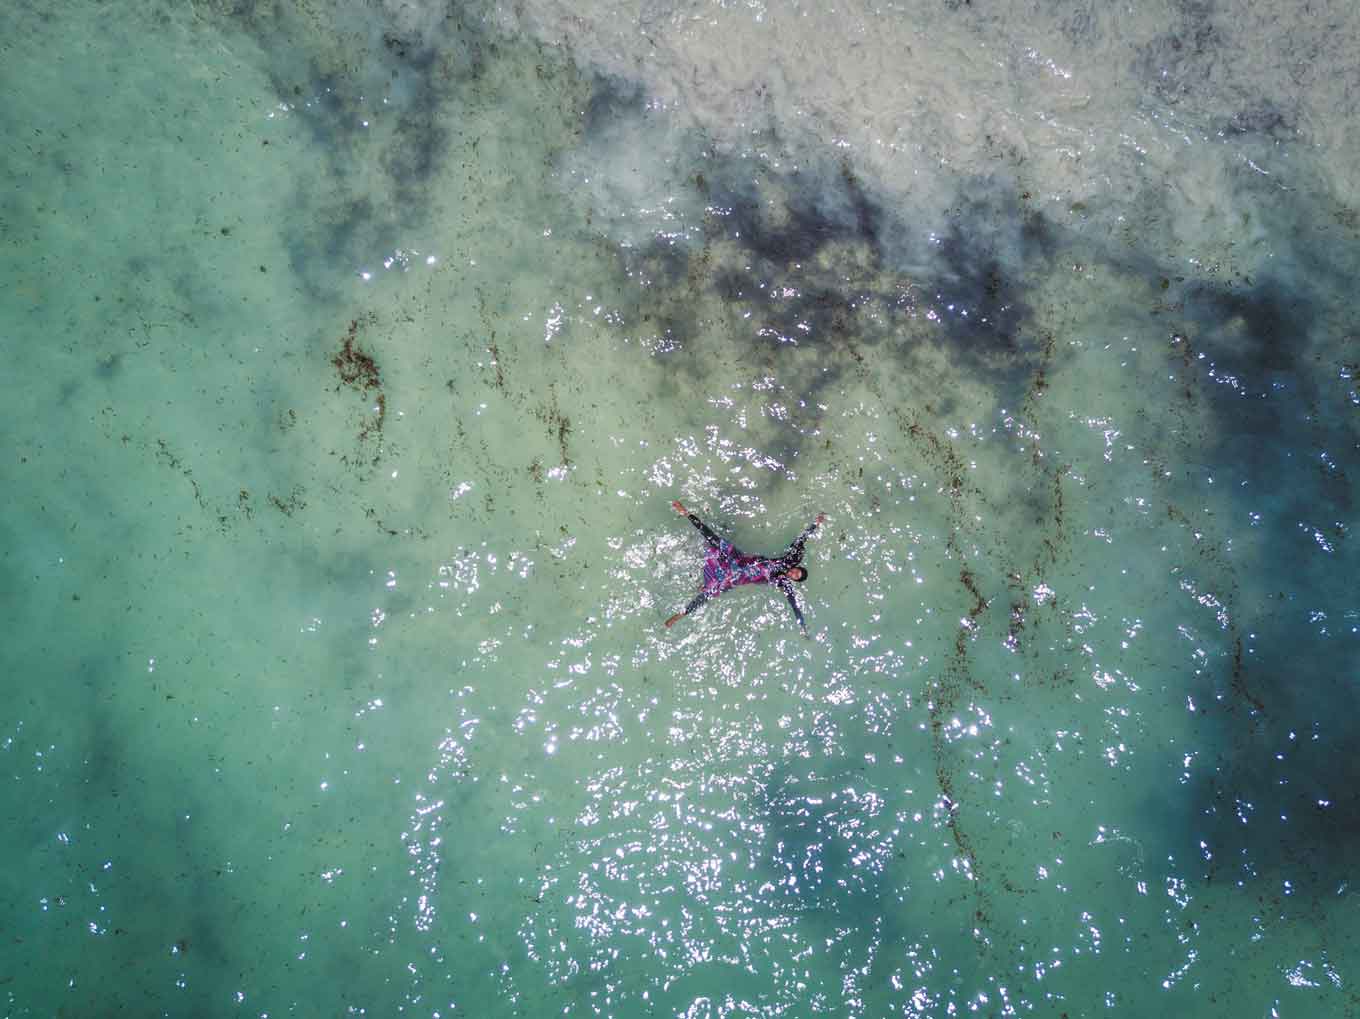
[{"x": 705, "y": 530}]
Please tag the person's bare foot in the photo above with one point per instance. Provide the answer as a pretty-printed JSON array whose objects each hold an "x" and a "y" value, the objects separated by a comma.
[
  {"x": 670, "y": 622},
  {"x": 679, "y": 507}
]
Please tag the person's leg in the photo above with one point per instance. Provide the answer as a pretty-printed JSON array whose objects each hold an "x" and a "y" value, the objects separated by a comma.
[
  {"x": 694, "y": 603},
  {"x": 713, "y": 540}
]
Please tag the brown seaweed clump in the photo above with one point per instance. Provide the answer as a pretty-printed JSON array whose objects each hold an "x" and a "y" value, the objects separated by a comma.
[{"x": 354, "y": 365}]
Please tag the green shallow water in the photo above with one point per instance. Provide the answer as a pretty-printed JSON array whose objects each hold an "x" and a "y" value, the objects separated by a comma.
[{"x": 354, "y": 354}]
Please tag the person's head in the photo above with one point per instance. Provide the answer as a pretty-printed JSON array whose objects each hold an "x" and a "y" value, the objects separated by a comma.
[{"x": 798, "y": 573}]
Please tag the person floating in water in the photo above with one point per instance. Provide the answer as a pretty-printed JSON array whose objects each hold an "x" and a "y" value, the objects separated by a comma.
[{"x": 727, "y": 567}]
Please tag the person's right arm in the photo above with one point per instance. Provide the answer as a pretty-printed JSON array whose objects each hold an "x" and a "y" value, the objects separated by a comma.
[{"x": 793, "y": 555}]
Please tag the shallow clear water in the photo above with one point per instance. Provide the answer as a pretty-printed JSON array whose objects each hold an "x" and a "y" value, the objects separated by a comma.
[{"x": 354, "y": 353}]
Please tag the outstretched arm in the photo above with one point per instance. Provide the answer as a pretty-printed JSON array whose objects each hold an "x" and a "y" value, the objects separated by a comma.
[
  {"x": 794, "y": 554},
  {"x": 787, "y": 588}
]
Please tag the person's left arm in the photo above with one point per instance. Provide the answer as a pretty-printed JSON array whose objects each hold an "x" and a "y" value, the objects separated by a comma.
[{"x": 787, "y": 588}]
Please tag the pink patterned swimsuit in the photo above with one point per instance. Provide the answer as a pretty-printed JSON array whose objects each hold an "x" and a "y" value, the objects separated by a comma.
[{"x": 726, "y": 567}]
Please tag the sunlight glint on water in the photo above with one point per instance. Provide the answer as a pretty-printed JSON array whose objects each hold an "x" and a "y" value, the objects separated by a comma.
[{"x": 357, "y": 352}]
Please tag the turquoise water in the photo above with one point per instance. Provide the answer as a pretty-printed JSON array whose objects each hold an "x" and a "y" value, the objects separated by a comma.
[{"x": 354, "y": 353}]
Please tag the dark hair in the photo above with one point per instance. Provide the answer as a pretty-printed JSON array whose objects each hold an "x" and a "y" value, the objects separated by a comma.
[{"x": 800, "y": 566}]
